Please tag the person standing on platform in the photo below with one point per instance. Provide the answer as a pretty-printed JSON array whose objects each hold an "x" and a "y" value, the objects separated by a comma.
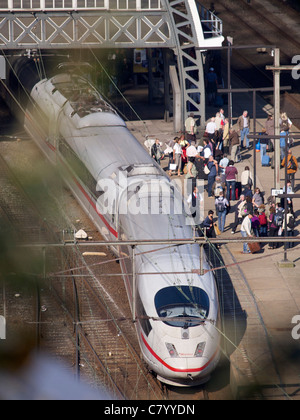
[
  {"x": 240, "y": 212},
  {"x": 195, "y": 202},
  {"x": 231, "y": 178},
  {"x": 246, "y": 231},
  {"x": 213, "y": 171},
  {"x": 224, "y": 162},
  {"x": 282, "y": 144},
  {"x": 211, "y": 128},
  {"x": 292, "y": 168},
  {"x": 270, "y": 131},
  {"x": 157, "y": 152},
  {"x": 234, "y": 143},
  {"x": 177, "y": 155},
  {"x": 285, "y": 123},
  {"x": 273, "y": 228},
  {"x": 264, "y": 142},
  {"x": 225, "y": 136},
  {"x": 290, "y": 223},
  {"x": 190, "y": 128},
  {"x": 244, "y": 128}
]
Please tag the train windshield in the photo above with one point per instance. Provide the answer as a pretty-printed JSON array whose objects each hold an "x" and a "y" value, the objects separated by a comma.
[{"x": 182, "y": 306}]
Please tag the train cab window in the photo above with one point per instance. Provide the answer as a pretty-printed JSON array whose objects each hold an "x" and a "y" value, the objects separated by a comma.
[
  {"x": 184, "y": 306},
  {"x": 141, "y": 313}
]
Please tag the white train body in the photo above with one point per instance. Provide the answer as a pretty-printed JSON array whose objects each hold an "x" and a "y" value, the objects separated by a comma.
[{"x": 76, "y": 129}]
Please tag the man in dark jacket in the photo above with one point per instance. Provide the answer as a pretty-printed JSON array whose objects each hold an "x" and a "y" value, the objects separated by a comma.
[
  {"x": 213, "y": 168},
  {"x": 234, "y": 143},
  {"x": 208, "y": 225}
]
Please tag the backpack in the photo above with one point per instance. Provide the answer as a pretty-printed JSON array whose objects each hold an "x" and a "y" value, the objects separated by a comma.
[
  {"x": 285, "y": 125},
  {"x": 221, "y": 206},
  {"x": 263, "y": 219},
  {"x": 278, "y": 219},
  {"x": 292, "y": 164},
  {"x": 218, "y": 190},
  {"x": 291, "y": 223}
]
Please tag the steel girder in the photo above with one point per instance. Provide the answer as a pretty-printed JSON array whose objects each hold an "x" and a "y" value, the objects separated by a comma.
[{"x": 172, "y": 24}]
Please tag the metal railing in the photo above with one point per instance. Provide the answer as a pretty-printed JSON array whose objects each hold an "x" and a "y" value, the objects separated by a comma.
[
  {"x": 212, "y": 25},
  {"x": 59, "y": 5}
]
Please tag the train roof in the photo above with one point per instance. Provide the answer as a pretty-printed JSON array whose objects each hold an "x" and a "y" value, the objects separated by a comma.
[{"x": 106, "y": 151}]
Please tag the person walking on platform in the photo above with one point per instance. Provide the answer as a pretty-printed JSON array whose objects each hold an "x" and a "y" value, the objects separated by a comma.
[
  {"x": 208, "y": 225},
  {"x": 222, "y": 205},
  {"x": 292, "y": 168},
  {"x": 244, "y": 128}
]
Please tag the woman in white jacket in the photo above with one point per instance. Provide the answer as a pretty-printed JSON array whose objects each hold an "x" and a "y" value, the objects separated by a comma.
[
  {"x": 246, "y": 231},
  {"x": 246, "y": 177}
]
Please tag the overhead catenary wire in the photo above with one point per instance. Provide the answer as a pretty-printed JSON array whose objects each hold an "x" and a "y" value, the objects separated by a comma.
[
  {"x": 219, "y": 268},
  {"x": 118, "y": 90}
]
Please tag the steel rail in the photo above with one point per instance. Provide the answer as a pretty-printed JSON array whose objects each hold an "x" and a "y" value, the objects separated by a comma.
[{"x": 175, "y": 242}]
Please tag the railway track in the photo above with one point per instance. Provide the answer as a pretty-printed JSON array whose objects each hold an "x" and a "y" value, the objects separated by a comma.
[
  {"x": 71, "y": 317},
  {"x": 259, "y": 23},
  {"x": 105, "y": 337},
  {"x": 15, "y": 209},
  {"x": 79, "y": 314}
]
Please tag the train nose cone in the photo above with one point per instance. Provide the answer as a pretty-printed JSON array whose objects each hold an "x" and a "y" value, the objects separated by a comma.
[
  {"x": 182, "y": 367},
  {"x": 187, "y": 372}
]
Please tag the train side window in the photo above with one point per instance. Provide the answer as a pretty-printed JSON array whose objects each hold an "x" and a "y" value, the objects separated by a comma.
[
  {"x": 142, "y": 315},
  {"x": 80, "y": 169}
]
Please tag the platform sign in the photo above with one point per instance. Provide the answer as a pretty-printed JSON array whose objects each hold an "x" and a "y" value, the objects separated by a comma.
[
  {"x": 2, "y": 67},
  {"x": 276, "y": 192},
  {"x": 2, "y": 328}
]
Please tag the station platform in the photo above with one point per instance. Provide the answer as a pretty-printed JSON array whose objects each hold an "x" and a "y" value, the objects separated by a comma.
[{"x": 265, "y": 355}]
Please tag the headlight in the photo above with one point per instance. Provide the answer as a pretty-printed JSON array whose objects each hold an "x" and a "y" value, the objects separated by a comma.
[
  {"x": 171, "y": 349},
  {"x": 200, "y": 349}
]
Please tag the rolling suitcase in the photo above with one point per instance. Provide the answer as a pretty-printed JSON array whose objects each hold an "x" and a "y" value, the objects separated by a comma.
[
  {"x": 254, "y": 247},
  {"x": 239, "y": 155},
  {"x": 266, "y": 160},
  {"x": 237, "y": 193},
  {"x": 238, "y": 190},
  {"x": 273, "y": 162}
]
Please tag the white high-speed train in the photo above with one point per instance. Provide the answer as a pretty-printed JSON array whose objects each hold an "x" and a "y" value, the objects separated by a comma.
[{"x": 129, "y": 197}]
